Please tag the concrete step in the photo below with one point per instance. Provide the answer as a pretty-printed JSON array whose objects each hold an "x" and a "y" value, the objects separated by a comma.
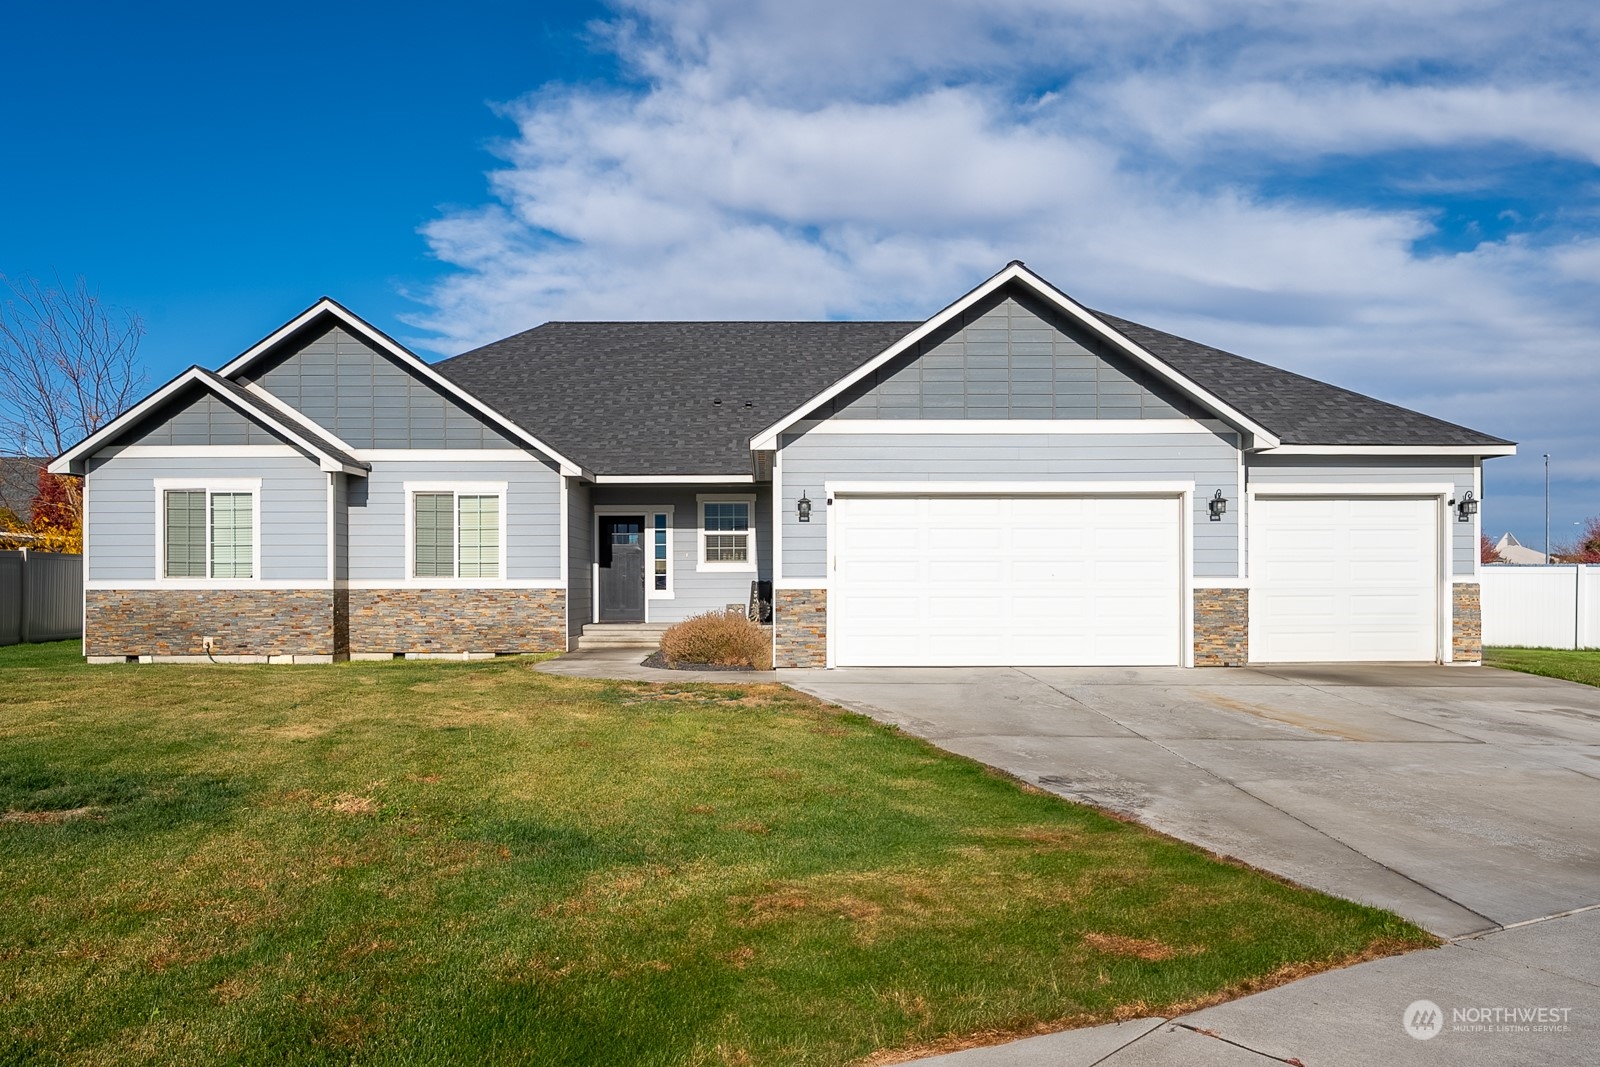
[{"x": 622, "y": 635}]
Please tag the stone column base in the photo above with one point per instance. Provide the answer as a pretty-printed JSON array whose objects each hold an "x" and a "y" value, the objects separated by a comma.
[
  {"x": 1221, "y": 627},
  {"x": 800, "y": 627},
  {"x": 1466, "y": 623}
]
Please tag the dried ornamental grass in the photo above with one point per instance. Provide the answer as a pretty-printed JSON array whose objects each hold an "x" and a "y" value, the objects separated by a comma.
[{"x": 723, "y": 639}]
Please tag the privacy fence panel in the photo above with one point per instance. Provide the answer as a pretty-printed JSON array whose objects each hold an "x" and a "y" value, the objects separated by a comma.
[
  {"x": 41, "y": 596},
  {"x": 1541, "y": 606}
]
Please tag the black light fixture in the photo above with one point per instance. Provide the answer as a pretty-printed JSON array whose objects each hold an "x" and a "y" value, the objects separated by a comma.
[
  {"x": 1218, "y": 506},
  {"x": 1467, "y": 508},
  {"x": 803, "y": 507}
]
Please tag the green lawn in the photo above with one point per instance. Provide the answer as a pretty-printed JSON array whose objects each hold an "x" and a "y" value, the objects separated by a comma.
[
  {"x": 477, "y": 863},
  {"x": 1575, "y": 666}
]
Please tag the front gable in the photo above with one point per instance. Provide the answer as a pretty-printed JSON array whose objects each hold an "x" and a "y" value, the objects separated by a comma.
[
  {"x": 1011, "y": 356},
  {"x": 363, "y": 396},
  {"x": 198, "y": 417}
]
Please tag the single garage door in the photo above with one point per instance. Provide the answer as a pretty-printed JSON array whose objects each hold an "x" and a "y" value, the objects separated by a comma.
[
  {"x": 1005, "y": 581},
  {"x": 1344, "y": 579}
]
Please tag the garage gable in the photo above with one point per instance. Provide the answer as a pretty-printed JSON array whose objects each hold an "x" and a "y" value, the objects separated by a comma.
[{"x": 1011, "y": 356}]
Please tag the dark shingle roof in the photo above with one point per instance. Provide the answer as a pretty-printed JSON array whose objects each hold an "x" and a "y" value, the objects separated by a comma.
[
  {"x": 639, "y": 397},
  {"x": 1299, "y": 410}
]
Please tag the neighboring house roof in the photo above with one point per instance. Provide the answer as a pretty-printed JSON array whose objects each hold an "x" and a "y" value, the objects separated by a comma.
[
  {"x": 19, "y": 483},
  {"x": 1511, "y": 550},
  {"x": 640, "y": 398},
  {"x": 626, "y": 398}
]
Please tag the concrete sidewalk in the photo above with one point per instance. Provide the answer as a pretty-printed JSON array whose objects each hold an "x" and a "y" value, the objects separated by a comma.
[
  {"x": 1353, "y": 1017},
  {"x": 624, "y": 664}
]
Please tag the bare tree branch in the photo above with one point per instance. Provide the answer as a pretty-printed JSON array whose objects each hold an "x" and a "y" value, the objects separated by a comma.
[{"x": 68, "y": 364}]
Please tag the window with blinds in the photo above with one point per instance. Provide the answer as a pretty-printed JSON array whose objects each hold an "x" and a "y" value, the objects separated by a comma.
[
  {"x": 208, "y": 534},
  {"x": 456, "y": 535}
]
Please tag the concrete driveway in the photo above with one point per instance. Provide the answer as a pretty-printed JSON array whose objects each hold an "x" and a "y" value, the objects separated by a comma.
[{"x": 1466, "y": 799}]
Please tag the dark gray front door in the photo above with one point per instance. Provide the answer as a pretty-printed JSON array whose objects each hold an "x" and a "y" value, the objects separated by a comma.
[{"x": 621, "y": 568}]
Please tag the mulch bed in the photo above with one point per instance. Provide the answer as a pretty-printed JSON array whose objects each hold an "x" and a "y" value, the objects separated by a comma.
[{"x": 658, "y": 661}]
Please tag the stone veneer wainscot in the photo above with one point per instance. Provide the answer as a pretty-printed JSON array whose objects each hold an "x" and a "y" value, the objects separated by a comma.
[
  {"x": 457, "y": 620},
  {"x": 800, "y": 627},
  {"x": 244, "y": 622}
]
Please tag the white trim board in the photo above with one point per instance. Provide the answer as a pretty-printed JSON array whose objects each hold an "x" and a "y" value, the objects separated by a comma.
[
  {"x": 1351, "y": 489},
  {"x": 930, "y": 488},
  {"x": 318, "y": 584},
  {"x": 1011, "y": 426},
  {"x": 1389, "y": 450},
  {"x": 376, "y": 337},
  {"x": 1017, "y": 272}
]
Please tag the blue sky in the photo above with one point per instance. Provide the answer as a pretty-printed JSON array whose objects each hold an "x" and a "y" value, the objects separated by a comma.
[{"x": 1400, "y": 196}]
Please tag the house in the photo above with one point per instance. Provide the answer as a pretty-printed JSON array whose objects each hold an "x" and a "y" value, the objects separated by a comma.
[
  {"x": 1018, "y": 480},
  {"x": 19, "y": 484},
  {"x": 1510, "y": 550}
]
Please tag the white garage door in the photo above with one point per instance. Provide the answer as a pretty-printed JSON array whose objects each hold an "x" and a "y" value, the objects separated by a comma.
[
  {"x": 1351, "y": 579},
  {"x": 1005, "y": 581}
]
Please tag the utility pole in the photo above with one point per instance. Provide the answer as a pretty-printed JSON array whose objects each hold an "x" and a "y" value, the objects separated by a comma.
[{"x": 1547, "y": 508}]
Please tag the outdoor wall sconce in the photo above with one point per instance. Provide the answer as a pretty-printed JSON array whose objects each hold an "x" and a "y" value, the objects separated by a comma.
[
  {"x": 803, "y": 507},
  {"x": 1467, "y": 508},
  {"x": 1218, "y": 506}
]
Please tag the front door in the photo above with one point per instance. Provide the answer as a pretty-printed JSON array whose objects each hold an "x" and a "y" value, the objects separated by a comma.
[{"x": 621, "y": 558}]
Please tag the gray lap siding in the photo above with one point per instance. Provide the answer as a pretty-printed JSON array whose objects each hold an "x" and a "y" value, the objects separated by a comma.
[
  {"x": 810, "y": 460},
  {"x": 122, "y": 521},
  {"x": 378, "y": 515}
]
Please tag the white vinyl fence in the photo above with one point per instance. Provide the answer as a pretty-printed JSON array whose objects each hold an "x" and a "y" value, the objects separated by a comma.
[
  {"x": 1541, "y": 606},
  {"x": 41, "y": 596}
]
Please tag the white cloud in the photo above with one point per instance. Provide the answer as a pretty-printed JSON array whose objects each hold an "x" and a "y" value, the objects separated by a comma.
[{"x": 876, "y": 159}]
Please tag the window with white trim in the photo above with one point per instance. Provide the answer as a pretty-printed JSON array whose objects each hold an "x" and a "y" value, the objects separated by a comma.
[
  {"x": 727, "y": 533},
  {"x": 208, "y": 533},
  {"x": 456, "y": 533}
]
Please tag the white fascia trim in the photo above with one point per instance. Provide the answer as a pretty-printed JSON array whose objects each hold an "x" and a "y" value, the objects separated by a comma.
[
  {"x": 1389, "y": 450},
  {"x": 452, "y": 583},
  {"x": 373, "y": 335},
  {"x": 1339, "y": 489},
  {"x": 1013, "y": 426},
  {"x": 1106, "y": 488},
  {"x": 106, "y": 584},
  {"x": 442, "y": 455},
  {"x": 674, "y": 479},
  {"x": 768, "y": 438},
  {"x": 74, "y": 456}
]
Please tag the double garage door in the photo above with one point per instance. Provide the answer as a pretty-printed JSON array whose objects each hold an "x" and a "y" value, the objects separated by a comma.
[
  {"x": 974, "y": 580},
  {"x": 1006, "y": 580}
]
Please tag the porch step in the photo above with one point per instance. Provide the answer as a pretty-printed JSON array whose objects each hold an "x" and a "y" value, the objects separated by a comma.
[{"x": 622, "y": 635}]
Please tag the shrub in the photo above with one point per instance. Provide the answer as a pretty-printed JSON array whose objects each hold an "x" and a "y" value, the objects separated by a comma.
[{"x": 727, "y": 640}]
